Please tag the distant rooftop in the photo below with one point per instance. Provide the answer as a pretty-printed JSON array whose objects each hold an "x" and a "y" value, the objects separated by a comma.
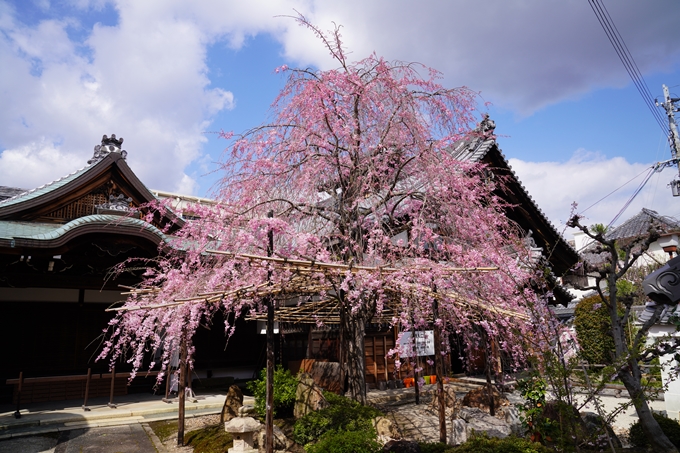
[
  {"x": 639, "y": 224},
  {"x": 9, "y": 192}
]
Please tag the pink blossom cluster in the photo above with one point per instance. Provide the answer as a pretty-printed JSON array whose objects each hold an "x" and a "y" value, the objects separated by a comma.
[{"x": 355, "y": 165}]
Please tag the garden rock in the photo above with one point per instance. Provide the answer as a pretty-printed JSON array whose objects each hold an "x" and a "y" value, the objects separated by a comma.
[
  {"x": 308, "y": 397},
  {"x": 281, "y": 442},
  {"x": 457, "y": 432},
  {"x": 480, "y": 398},
  {"x": 385, "y": 429},
  {"x": 511, "y": 414},
  {"x": 451, "y": 402},
  {"x": 594, "y": 424},
  {"x": 327, "y": 375},
  {"x": 232, "y": 404},
  {"x": 401, "y": 446},
  {"x": 480, "y": 421}
]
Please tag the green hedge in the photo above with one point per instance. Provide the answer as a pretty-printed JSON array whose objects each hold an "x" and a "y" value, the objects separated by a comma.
[
  {"x": 342, "y": 416},
  {"x": 346, "y": 442},
  {"x": 593, "y": 330},
  {"x": 670, "y": 428},
  {"x": 512, "y": 444}
]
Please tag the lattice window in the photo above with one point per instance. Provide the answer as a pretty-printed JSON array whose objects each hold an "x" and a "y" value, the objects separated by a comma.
[{"x": 79, "y": 208}]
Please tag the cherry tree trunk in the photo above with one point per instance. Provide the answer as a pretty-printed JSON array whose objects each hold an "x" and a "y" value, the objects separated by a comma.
[{"x": 354, "y": 331}]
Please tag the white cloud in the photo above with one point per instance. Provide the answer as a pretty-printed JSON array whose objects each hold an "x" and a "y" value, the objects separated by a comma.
[
  {"x": 589, "y": 180},
  {"x": 146, "y": 81},
  {"x": 521, "y": 54},
  {"x": 39, "y": 160},
  {"x": 146, "y": 77}
]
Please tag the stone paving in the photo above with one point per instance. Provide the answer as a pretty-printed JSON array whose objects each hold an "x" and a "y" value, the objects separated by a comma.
[{"x": 115, "y": 439}]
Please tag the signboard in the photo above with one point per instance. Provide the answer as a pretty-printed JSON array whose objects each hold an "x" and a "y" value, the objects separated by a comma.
[{"x": 424, "y": 343}]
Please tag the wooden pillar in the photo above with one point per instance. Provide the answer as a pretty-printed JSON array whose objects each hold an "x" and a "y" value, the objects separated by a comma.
[
  {"x": 113, "y": 385},
  {"x": 87, "y": 389},
  {"x": 17, "y": 413}
]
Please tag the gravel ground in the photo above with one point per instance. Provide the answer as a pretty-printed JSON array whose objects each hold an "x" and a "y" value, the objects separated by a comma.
[{"x": 190, "y": 424}]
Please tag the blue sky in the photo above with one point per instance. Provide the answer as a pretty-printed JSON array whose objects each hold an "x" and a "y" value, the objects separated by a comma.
[{"x": 167, "y": 75}]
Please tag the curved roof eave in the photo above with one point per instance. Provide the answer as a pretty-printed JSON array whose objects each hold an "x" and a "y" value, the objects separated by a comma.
[{"x": 98, "y": 223}]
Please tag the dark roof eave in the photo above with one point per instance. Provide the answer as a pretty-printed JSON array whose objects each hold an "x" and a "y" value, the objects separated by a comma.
[{"x": 563, "y": 252}]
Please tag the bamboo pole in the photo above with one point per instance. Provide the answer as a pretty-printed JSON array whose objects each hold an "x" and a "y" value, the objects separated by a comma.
[
  {"x": 269, "y": 415},
  {"x": 182, "y": 390},
  {"x": 353, "y": 268},
  {"x": 438, "y": 369}
]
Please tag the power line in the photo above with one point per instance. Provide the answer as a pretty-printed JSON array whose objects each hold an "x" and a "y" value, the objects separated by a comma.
[
  {"x": 626, "y": 58},
  {"x": 633, "y": 196},
  {"x": 617, "y": 189}
]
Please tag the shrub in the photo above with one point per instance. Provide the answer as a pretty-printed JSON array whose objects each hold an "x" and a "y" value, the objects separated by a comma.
[
  {"x": 512, "y": 444},
  {"x": 346, "y": 442},
  {"x": 343, "y": 415},
  {"x": 285, "y": 385},
  {"x": 593, "y": 329},
  {"x": 434, "y": 447},
  {"x": 670, "y": 428},
  {"x": 536, "y": 424}
]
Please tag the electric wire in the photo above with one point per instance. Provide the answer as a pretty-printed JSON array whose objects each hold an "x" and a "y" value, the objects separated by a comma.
[
  {"x": 652, "y": 170},
  {"x": 617, "y": 189},
  {"x": 626, "y": 58}
]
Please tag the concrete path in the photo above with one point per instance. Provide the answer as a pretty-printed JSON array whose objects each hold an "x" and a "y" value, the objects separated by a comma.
[
  {"x": 116, "y": 439},
  {"x": 136, "y": 409},
  {"x": 64, "y": 427}
]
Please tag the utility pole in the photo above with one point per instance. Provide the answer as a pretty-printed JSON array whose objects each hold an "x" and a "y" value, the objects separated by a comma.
[{"x": 669, "y": 106}]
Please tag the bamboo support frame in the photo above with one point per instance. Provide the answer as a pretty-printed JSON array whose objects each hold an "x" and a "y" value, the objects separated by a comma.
[{"x": 305, "y": 282}]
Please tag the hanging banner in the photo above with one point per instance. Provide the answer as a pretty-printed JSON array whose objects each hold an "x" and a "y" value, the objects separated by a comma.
[{"x": 424, "y": 343}]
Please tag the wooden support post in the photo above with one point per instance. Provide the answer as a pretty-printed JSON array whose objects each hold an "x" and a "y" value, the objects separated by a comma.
[
  {"x": 113, "y": 383},
  {"x": 396, "y": 343},
  {"x": 181, "y": 390},
  {"x": 269, "y": 416},
  {"x": 489, "y": 386},
  {"x": 439, "y": 368},
  {"x": 387, "y": 374},
  {"x": 17, "y": 414},
  {"x": 415, "y": 367},
  {"x": 375, "y": 362},
  {"x": 87, "y": 389},
  {"x": 168, "y": 378}
]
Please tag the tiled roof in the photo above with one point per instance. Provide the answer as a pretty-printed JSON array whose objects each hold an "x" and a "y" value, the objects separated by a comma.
[
  {"x": 51, "y": 231},
  {"x": 639, "y": 224},
  {"x": 45, "y": 188},
  {"x": 476, "y": 149}
]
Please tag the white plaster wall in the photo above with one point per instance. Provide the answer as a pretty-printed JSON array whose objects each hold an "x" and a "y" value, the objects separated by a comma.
[{"x": 668, "y": 377}]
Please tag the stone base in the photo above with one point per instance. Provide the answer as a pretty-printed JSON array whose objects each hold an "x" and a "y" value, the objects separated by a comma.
[{"x": 248, "y": 450}]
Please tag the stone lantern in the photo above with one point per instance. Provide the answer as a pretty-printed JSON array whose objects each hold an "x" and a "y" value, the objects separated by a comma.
[{"x": 242, "y": 430}]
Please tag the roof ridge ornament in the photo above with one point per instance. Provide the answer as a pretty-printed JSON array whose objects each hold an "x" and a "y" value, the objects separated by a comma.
[
  {"x": 486, "y": 127},
  {"x": 109, "y": 145}
]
